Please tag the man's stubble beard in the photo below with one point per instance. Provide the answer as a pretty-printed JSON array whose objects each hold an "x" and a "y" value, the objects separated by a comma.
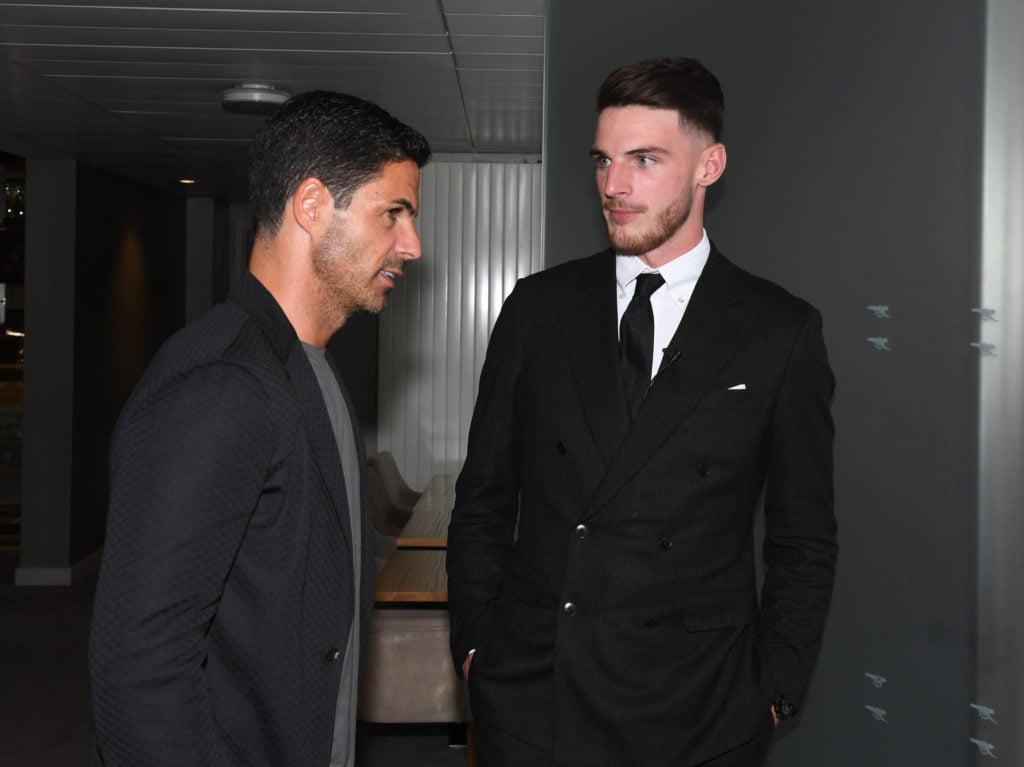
[
  {"x": 668, "y": 222},
  {"x": 338, "y": 292}
]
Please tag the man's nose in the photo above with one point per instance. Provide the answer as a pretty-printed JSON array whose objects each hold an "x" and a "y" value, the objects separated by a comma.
[
  {"x": 409, "y": 246},
  {"x": 615, "y": 181}
]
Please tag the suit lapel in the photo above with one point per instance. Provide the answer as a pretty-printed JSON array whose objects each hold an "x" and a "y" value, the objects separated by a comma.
[
  {"x": 254, "y": 298},
  {"x": 588, "y": 316},
  {"x": 718, "y": 317}
]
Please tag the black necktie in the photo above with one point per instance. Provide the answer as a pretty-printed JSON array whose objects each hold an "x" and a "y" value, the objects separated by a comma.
[{"x": 636, "y": 338}]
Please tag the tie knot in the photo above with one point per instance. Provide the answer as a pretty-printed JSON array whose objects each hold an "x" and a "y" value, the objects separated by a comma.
[{"x": 646, "y": 284}]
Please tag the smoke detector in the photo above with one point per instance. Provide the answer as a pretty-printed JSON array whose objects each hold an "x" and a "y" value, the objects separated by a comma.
[{"x": 253, "y": 99}]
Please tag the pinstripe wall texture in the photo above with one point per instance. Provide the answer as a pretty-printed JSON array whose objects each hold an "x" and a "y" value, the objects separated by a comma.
[{"x": 481, "y": 229}]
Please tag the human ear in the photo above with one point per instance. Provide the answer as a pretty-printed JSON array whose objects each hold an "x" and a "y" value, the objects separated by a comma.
[
  {"x": 711, "y": 165},
  {"x": 310, "y": 203}
]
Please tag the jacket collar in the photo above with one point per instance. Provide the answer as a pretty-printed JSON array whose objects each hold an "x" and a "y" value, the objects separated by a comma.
[{"x": 258, "y": 302}]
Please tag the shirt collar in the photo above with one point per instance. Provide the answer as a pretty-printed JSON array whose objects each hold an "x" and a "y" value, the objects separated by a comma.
[{"x": 683, "y": 270}]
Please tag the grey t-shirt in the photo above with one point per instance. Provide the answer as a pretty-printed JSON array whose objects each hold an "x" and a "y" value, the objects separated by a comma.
[{"x": 343, "y": 749}]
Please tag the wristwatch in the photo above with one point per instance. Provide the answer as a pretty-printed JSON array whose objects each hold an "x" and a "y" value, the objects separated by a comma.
[{"x": 783, "y": 707}]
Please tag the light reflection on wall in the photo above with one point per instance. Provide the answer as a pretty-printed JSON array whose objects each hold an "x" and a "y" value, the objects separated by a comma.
[{"x": 130, "y": 330}]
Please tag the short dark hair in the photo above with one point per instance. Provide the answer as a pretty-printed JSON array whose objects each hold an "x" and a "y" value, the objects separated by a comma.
[
  {"x": 684, "y": 85},
  {"x": 340, "y": 139}
]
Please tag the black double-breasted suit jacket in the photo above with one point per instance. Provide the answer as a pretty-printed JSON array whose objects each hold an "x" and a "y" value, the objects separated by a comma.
[
  {"x": 227, "y": 591},
  {"x": 603, "y": 568}
]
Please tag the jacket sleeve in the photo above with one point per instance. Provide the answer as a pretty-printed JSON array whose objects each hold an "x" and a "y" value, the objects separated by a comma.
[
  {"x": 187, "y": 465},
  {"x": 800, "y": 540},
  {"x": 483, "y": 521}
]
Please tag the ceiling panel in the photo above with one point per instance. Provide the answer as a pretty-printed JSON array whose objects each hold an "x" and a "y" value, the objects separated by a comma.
[
  {"x": 135, "y": 86},
  {"x": 100, "y": 18},
  {"x": 501, "y": 61},
  {"x": 72, "y": 40},
  {"x": 504, "y": 25},
  {"x": 505, "y": 7},
  {"x": 27, "y": 55},
  {"x": 379, "y": 7},
  {"x": 530, "y": 46},
  {"x": 147, "y": 76}
]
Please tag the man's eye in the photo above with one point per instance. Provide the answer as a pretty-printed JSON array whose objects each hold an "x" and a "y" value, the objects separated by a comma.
[
  {"x": 602, "y": 162},
  {"x": 643, "y": 161}
]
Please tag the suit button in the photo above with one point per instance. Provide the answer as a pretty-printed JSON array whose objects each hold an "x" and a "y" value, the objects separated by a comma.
[
  {"x": 581, "y": 531},
  {"x": 652, "y": 622},
  {"x": 569, "y": 608},
  {"x": 562, "y": 449},
  {"x": 330, "y": 655},
  {"x": 664, "y": 544},
  {"x": 703, "y": 470}
]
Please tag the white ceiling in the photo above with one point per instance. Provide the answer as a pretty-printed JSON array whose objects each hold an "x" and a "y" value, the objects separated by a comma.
[{"x": 134, "y": 86}]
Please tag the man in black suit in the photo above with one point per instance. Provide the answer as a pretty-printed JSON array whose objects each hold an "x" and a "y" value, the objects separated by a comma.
[
  {"x": 237, "y": 577},
  {"x": 633, "y": 408}
]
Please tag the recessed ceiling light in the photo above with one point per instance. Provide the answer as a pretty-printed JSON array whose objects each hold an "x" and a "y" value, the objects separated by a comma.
[
  {"x": 253, "y": 99},
  {"x": 186, "y": 181}
]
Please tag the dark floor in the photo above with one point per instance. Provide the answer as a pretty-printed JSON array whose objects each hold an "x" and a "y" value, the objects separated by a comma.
[{"x": 45, "y": 718}]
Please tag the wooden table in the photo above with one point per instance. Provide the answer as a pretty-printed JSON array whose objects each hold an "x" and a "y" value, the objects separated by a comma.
[
  {"x": 413, "y": 575},
  {"x": 427, "y": 528},
  {"x": 415, "y": 571}
]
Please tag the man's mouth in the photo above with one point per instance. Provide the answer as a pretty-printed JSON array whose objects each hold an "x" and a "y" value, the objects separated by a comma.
[{"x": 619, "y": 214}]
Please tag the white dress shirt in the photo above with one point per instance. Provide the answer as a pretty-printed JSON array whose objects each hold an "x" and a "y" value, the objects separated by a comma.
[{"x": 668, "y": 302}]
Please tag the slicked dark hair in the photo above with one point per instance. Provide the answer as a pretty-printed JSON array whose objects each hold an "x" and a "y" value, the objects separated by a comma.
[
  {"x": 668, "y": 83},
  {"x": 342, "y": 140}
]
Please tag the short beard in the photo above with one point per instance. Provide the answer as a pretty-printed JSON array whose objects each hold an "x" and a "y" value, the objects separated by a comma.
[
  {"x": 336, "y": 296},
  {"x": 669, "y": 221}
]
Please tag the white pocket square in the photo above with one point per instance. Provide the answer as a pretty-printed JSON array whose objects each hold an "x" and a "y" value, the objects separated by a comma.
[{"x": 738, "y": 387}]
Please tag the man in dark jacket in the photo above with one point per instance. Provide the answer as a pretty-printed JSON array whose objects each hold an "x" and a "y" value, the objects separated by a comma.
[
  {"x": 633, "y": 407},
  {"x": 237, "y": 575}
]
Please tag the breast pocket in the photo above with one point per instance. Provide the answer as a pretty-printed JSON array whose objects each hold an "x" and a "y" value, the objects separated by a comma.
[{"x": 730, "y": 399}]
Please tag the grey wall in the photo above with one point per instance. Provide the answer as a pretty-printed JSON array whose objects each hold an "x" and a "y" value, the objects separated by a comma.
[
  {"x": 49, "y": 353},
  {"x": 854, "y": 138}
]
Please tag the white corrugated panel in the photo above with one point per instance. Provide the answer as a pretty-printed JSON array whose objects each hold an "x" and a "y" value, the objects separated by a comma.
[
  {"x": 481, "y": 229},
  {"x": 999, "y": 685}
]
